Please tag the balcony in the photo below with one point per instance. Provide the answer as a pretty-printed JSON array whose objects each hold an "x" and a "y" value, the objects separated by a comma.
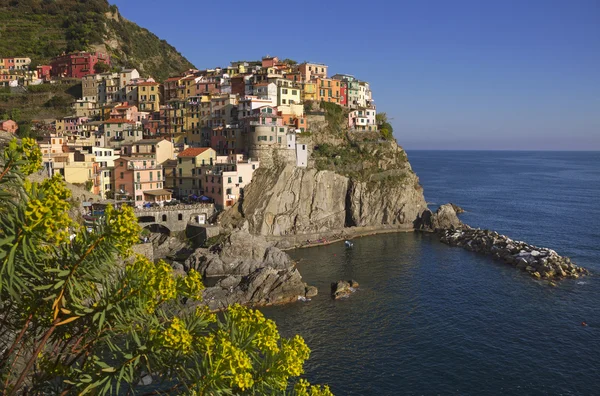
[{"x": 258, "y": 123}]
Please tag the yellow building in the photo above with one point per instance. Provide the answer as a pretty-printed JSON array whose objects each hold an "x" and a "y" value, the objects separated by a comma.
[
  {"x": 288, "y": 93},
  {"x": 309, "y": 91},
  {"x": 148, "y": 96},
  {"x": 188, "y": 175}
]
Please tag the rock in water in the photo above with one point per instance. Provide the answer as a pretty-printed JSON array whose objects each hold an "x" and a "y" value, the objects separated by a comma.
[
  {"x": 341, "y": 289},
  {"x": 457, "y": 208},
  {"x": 444, "y": 218}
]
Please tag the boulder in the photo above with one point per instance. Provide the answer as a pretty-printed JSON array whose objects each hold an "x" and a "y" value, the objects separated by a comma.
[
  {"x": 341, "y": 289},
  {"x": 264, "y": 286},
  {"x": 311, "y": 291},
  {"x": 239, "y": 253}
]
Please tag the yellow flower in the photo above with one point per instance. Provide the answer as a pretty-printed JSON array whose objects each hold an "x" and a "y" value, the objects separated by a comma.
[
  {"x": 123, "y": 226},
  {"x": 191, "y": 285},
  {"x": 47, "y": 211},
  {"x": 251, "y": 321},
  {"x": 176, "y": 337}
]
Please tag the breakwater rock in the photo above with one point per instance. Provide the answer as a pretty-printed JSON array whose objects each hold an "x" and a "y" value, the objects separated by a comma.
[{"x": 538, "y": 262}]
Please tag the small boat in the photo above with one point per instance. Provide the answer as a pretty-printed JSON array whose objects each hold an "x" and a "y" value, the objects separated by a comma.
[{"x": 348, "y": 244}]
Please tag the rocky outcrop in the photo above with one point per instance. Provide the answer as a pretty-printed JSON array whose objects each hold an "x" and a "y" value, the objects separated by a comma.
[
  {"x": 342, "y": 289},
  {"x": 296, "y": 201},
  {"x": 264, "y": 286},
  {"x": 443, "y": 219},
  {"x": 393, "y": 201},
  {"x": 238, "y": 253},
  {"x": 538, "y": 262}
]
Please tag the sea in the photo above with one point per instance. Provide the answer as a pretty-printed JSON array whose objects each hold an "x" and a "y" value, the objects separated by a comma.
[{"x": 431, "y": 319}]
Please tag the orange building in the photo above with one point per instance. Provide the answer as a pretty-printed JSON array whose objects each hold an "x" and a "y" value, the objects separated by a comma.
[{"x": 328, "y": 90}]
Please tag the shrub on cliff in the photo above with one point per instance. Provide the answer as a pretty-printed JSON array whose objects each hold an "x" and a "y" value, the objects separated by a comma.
[{"x": 74, "y": 320}]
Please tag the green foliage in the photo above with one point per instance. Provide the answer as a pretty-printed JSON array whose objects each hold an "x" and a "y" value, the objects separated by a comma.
[
  {"x": 101, "y": 67},
  {"x": 42, "y": 29},
  {"x": 80, "y": 315},
  {"x": 336, "y": 117},
  {"x": 385, "y": 128}
]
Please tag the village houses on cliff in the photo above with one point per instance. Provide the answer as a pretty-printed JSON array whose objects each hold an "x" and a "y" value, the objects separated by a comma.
[{"x": 198, "y": 136}]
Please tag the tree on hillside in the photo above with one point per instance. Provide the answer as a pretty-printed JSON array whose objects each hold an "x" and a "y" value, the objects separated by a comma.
[
  {"x": 101, "y": 67},
  {"x": 385, "y": 128},
  {"x": 80, "y": 314}
]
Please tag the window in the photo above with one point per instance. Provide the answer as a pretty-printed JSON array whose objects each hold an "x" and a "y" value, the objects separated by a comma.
[
  {"x": 294, "y": 92},
  {"x": 229, "y": 180},
  {"x": 138, "y": 197},
  {"x": 228, "y": 191},
  {"x": 179, "y": 217},
  {"x": 164, "y": 217},
  {"x": 179, "y": 160},
  {"x": 240, "y": 179},
  {"x": 122, "y": 175}
]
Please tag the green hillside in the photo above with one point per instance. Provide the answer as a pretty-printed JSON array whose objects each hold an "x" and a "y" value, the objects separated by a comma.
[{"x": 41, "y": 29}]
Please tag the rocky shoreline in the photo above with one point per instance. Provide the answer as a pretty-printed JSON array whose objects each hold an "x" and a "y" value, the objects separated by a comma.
[{"x": 539, "y": 262}]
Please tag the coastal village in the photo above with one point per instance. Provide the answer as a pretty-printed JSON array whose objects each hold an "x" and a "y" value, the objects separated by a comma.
[{"x": 195, "y": 137}]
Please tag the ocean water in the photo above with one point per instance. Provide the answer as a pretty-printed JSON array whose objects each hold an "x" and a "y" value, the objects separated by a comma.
[{"x": 432, "y": 319}]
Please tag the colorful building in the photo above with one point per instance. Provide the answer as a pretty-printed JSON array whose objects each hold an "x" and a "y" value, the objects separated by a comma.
[
  {"x": 188, "y": 162},
  {"x": 328, "y": 90},
  {"x": 363, "y": 119},
  {"x": 141, "y": 180},
  {"x": 310, "y": 71},
  {"x": 9, "y": 126},
  {"x": 77, "y": 65}
]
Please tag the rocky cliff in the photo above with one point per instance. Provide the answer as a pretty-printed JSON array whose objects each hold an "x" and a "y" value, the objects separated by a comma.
[{"x": 357, "y": 184}]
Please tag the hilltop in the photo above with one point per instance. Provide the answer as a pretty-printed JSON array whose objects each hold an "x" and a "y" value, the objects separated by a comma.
[{"x": 41, "y": 29}]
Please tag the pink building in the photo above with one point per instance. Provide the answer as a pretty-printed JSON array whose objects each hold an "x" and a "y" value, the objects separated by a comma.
[
  {"x": 125, "y": 111},
  {"x": 269, "y": 61},
  {"x": 77, "y": 65},
  {"x": 140, "y": 180},
  {"x": 8, "y": 126},
  {"x": 225, "y": 181}
]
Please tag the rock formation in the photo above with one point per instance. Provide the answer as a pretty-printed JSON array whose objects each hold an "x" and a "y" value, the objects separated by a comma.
[
  {"x": 256, "y": 272},
  {"x": 264, "y": 286},
  {"x": 238, "y": 253},
  {"x": 341, "y": 289},
  {"x": 443, "y": 219},
  {"x": 293, "y": 201},
  {"x": 538, "y": 262}
]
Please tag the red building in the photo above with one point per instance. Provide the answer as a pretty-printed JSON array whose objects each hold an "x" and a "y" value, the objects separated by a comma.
[
  {"x": 44, "y": 72},
  {"x": 77, "y": 65},
  {"x": 344, "y": 93}
]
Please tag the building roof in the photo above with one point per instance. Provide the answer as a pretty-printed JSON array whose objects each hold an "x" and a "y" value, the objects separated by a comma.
[
  {"x": 118, "y": 121},
  {"x": 192, "y": 152},
  {"x": 145, "y": 142},
  {"x": 145, "y": 84},
  {"x": 170, "y": 79},
  {"x": 158, "y": 192}
]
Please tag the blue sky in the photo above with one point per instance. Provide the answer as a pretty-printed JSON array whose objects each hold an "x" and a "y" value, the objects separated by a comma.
[{"x": 484, "y": 74}]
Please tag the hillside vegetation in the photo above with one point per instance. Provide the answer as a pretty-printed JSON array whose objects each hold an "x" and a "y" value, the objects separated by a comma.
[{"x": 41, "y": 29}]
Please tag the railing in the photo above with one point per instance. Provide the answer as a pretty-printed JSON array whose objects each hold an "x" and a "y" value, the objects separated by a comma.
[{"x": 194, "y": 206}]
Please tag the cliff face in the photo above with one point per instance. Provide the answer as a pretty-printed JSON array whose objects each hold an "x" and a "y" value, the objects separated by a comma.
[
  {"x": 290, "y": 200},
  {"x": 294, "y": 201}
]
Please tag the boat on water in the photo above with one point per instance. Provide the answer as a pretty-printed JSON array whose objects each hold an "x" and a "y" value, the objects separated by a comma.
[{"x": 348, "y": 244}]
